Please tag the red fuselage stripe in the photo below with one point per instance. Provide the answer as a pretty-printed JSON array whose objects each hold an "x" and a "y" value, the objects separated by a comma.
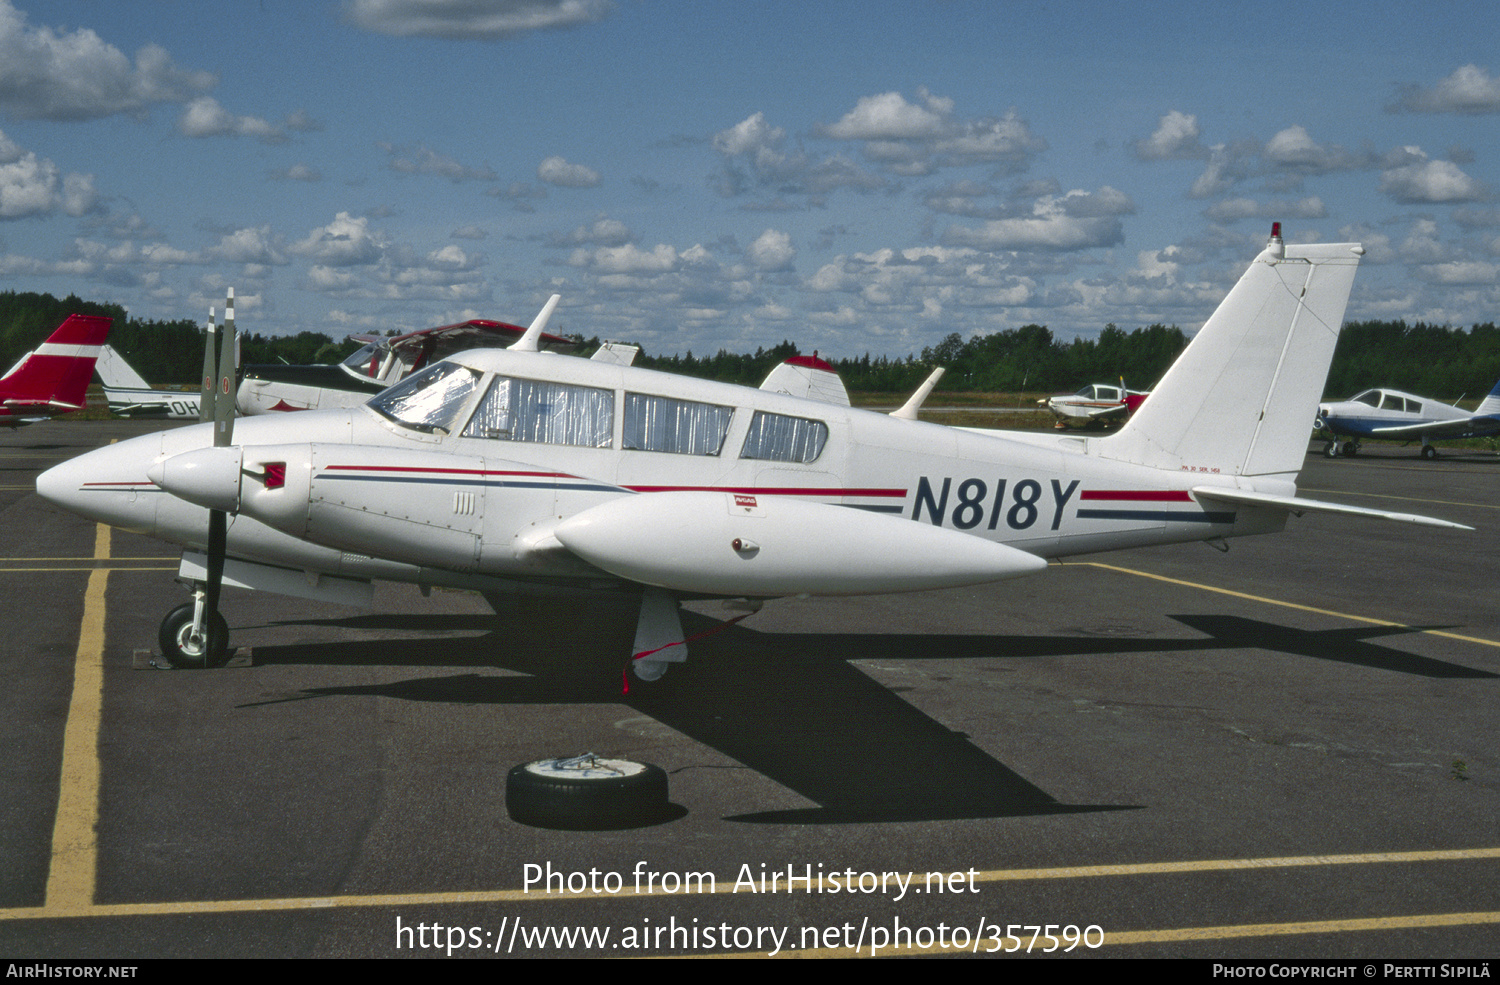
[
  {"x": 1138, "y": 495},
  {"x": 775, "y": 490},
  {"x": 437, "y": 471}
]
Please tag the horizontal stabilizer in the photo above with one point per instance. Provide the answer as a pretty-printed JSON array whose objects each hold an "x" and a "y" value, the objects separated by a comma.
[{"x": 1298, "y": 505}]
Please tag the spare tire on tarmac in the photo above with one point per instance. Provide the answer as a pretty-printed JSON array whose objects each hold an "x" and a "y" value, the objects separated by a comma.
[{"x": 586, "y": 793}]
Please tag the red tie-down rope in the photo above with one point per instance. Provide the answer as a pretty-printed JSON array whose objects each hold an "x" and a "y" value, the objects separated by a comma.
[{"x": 625, "y": 671}]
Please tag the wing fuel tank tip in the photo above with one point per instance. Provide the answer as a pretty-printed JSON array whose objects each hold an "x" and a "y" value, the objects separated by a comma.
[{"x": 696, "y": 541}]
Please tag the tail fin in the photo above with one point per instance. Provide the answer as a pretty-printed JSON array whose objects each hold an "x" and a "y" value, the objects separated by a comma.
[
  {"x": 1241, "y": 398},
  {"x": 57, "y": 373},
  {"x": 114, "y": 371},
  {"x": 1491, "y": 403}
]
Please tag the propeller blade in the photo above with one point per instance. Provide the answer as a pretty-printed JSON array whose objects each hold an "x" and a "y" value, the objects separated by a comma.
[
  {"x": 224, "y": 398},
  {"x": 210, "y": 376}
]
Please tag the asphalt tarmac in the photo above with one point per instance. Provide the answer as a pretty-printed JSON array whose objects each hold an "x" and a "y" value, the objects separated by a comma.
[{"x": 1286, "y": 750}]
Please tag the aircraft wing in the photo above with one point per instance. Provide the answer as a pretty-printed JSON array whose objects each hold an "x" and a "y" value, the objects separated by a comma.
[
  {"x": 139, "y": 409},
  {"x": 1464, "y": 427},
  {"x": 1098, "y": 413},
  {"x": 1299, "y": 505}
]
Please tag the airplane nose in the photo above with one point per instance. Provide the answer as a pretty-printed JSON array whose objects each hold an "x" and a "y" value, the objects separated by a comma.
[{"x": 108, "y": 484}]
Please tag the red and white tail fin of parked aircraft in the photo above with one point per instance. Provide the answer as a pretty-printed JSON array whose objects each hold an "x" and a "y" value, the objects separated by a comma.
[{"x": 54, "y": 377}]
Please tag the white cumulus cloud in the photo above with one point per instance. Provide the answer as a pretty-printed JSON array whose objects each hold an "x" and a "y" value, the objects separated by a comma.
[{"x": 557, "y": 171}]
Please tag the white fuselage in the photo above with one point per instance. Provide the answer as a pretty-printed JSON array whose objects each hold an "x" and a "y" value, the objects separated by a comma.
[
  {"x": 1361, "y": 416},
  {"x": 382, "y": 500}
]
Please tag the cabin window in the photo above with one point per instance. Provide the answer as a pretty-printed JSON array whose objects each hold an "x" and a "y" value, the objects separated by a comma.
[
  {"x": 1392, "y": 402},
  {"x": 777, "y": 438},
  {"x": 430, "y": 400},
  {"x": 548, "y": 413},
  {"x": 680, "y": 427}
]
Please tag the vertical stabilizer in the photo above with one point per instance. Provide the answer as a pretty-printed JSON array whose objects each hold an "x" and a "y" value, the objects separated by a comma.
[
  {"x": 114, "y": 371},
  {"x": 1241, "y": 398},
  {"x": 1491, "y": 403},
  {"x": 58, "y": 371}
]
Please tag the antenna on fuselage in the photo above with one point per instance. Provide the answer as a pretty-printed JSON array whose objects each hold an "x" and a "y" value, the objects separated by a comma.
[
  {"x": 530, "y": 342},
  {"x": 908, "y": 410}
]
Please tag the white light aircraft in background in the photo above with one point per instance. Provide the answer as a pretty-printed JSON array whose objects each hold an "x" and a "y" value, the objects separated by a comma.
[
  {"x": 1097, "y": 403},
  {"x": 1398, "y": 416},
  {"x": 131, "y": 396},
  {"x": 516, "y": 465},
  {"x": 54, "y": 377}
]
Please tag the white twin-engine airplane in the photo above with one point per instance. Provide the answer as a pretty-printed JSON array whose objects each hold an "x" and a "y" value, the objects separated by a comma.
[{"x": 514, "y": 465}]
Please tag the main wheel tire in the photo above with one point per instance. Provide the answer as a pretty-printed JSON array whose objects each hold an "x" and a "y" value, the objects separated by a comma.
[
  {"x": 1429, "y": 452},
  {"x": 181, "y": 650},
  {"x": 1350, "y": 449},
  {"x": 586, "y": 793}
]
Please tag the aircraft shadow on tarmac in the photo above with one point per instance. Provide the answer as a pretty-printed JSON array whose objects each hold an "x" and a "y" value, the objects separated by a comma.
[{"x": 792, "y": 707}]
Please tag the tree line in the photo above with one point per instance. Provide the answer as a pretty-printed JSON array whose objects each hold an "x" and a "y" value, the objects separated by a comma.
[{"x": 1436, "y": 361}]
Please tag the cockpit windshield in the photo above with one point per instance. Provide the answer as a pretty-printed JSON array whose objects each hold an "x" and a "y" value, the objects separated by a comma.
[
  {"x": 429, "y": 401},
  {"x": 1371, "y": 397},
  {"x": 366, "y": 361}
]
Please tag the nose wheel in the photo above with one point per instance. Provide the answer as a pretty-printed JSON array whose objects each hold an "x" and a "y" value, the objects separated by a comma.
[{"x": 187, "y": 642}]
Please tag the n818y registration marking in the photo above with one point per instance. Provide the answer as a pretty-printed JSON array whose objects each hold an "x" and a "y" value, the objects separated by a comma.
[{"x": 973, "y": 502}]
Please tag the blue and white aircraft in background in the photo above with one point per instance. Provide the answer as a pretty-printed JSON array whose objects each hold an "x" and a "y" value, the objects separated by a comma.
[{"x": 1398, "y": 416}]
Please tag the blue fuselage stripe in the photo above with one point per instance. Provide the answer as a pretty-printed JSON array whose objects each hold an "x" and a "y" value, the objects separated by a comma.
[{"x": 1168, "y": 516}]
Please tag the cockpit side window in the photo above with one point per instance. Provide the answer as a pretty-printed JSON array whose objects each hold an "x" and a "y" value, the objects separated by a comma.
[
  {"x": 550, "y": 413},
  {"x": 680, "y": 427},
  {"x": 1392, "y": 402},
  {"x": 777, "y": 438},
  {"x": 430, "y": 400}
]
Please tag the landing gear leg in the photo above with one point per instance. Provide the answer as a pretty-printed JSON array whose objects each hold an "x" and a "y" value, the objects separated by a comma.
[
  {"x": 191, "y": 636},
  {"x": 659, "y": 627}
]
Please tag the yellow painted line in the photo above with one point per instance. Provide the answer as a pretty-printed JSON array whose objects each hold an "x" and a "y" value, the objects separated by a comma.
[
  {"x": 728, "y": 886},
  {"x": 1405, "y": 499},
  {"x": 1288, "y": 605},
  {"x": 92, "y": 567},
  {"x": 70, "y": 880},
  {"x": 990, "y": 945},
  {"x": 153, "y": 557}
]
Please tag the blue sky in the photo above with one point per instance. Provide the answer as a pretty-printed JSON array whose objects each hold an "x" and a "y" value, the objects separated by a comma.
[{"x": 854, "y": 176}]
